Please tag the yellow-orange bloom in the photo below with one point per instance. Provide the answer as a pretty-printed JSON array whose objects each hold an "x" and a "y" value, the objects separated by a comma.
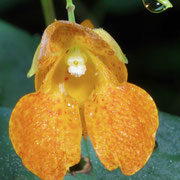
[{"x": 81, "y": 88}]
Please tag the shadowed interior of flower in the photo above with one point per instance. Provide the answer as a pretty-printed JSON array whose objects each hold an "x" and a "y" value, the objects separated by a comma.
[
  {"x": 75, "y": 76},
  {"x": 78, "y": 83},
  {"x": 81, "y": 88}
]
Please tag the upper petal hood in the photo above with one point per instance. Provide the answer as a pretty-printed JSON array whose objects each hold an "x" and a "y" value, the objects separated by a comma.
[{"x": 60, "y": 36}]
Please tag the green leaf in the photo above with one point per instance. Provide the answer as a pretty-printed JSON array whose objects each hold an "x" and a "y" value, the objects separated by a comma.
[
  {"x": 163, "y": 164},
  {"x": 17, "y": 48}
]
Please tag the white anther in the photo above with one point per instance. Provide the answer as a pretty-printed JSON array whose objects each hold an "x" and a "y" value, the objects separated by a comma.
[{"x": 76, "y": 65}]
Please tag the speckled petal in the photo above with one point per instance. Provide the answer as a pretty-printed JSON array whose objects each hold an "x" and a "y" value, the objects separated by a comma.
[
  {"x": 122, "y": 123},
  {"x": 40, "y": 76},
  {"x": 41, "y": 73},
  {"x": 45, "y": 130}
]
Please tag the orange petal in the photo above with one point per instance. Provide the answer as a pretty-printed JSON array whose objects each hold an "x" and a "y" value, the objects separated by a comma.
[
  {"x": 42, "y": 72},
  {"x": 45, "y": 130},
  {"x": 60, "y": 36},
  {"x": 122, "y": 123},
  {"x": 40, "y": 76},
  {"x": 87, "y": 23}
]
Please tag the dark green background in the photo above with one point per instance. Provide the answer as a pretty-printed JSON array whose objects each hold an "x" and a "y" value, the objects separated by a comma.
[{"x": 150, "y": 41}]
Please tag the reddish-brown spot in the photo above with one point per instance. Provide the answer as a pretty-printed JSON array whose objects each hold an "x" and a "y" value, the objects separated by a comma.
[
  {"x": 59, "y": 111},
  {"x": 66, "y": 78}
]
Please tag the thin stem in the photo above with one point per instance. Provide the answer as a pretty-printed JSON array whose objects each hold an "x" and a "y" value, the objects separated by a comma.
[
  {"x": 87, "y": 149},
  {"x": 48, "y": 11},
  {"x": 70, "y": 8}
]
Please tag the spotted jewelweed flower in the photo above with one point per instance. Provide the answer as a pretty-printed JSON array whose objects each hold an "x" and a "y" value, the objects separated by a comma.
[{"x": 82, "y": 89}]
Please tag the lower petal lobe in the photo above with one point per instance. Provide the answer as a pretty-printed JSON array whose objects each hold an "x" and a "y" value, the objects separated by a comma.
[
  {"x": 45, "y": 130},
  {"x": 122, "y": 123}
]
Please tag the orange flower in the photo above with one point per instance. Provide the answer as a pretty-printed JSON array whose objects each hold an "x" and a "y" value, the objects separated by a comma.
[{"x": 81, "y": 88}]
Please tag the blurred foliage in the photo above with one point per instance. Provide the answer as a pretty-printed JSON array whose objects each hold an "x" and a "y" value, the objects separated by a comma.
[
  {"x": 163, "y": 164},
  {"x": 16, "y": 51}
]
